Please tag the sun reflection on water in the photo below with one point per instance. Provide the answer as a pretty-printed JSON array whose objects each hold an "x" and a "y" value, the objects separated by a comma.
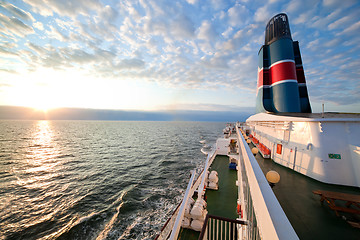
[
  {"x": 43, "y": 135},
  {"x": 37, "y": 184},
  {"x": 43, "y": 146},
  {"x": 41, "y": 156}
]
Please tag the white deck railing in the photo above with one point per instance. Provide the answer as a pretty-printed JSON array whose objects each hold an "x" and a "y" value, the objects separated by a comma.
[
  {"x": 270, "y": 221},
  {"x": 180, "y": 216},
  {"x": 173, "y": 224},
  {"x": 208, "y": 162}
]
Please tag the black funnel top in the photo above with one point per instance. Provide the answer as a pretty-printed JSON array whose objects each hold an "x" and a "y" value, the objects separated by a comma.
[{"x": 278, "y": 27}]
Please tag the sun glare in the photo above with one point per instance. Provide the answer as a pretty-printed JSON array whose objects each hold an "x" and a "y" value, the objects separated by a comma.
[
  {"x": 43, "y": 102},
  {"x": 47, "y": 89},
  {"x": 43, "y": 108}
]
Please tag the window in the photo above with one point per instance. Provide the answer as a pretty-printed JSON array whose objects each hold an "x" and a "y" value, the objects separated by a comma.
[{"x": 279, "y": 148}]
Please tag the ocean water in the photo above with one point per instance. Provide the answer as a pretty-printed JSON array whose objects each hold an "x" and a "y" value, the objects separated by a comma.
[{"x": 95, "y": 179}]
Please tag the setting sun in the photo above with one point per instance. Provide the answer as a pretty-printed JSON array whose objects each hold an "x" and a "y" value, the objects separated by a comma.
[{"x": 44, "y": 108}]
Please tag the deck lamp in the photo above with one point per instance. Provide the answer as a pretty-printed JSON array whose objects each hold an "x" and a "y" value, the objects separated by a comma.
[
  {"x": 273, "y": 177},
  {"x": 254, "y": 150}
]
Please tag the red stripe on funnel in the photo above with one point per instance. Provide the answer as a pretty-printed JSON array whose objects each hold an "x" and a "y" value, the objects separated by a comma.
[{"x": 282, "y": 71}]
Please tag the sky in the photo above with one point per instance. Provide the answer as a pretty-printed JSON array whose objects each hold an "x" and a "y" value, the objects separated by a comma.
[{"x": 157, "y": 55}]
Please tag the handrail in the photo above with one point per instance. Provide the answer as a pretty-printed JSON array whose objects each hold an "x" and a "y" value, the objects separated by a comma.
[
  {"x": 162, "y": 234},
  {"x": 272, "y": 221},
  {"x": 179, "y": 218},
  {"x": 201, "y": 186},
  {"x": 166, "y": 230}
]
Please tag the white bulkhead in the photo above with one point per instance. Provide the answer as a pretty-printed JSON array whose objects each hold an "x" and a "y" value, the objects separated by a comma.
[
  {"x": 326, "y": 149},
  {"x": 222, "y": 146}
]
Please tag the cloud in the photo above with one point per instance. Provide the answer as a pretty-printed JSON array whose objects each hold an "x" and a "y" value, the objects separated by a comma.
[
  {"x": 67, "y": 57},
  {"x": 130, "y": 64},
  {"x": 295, "y": 7},
  {"x": 340, "y": 22},
  {"x": 235, "y": 42},
  {"x": 228, "y": 32},
  {"x": 155, "y": 27},
  {"x": 7, "y": 49},
  {"x": 219, "y": 4},
  {"x": 108, "y": 14},
  {"x": 63, "y": 7},
  {"x": 218, "y": 61},
  {"x": 2, "y": 85},
  {"x": 303, "y": 17},
  {"x": 177, "y": 44},
  {"x": 17, "y": 12},
  {"x": 56, "y": 34},
  {"x": 38, "y": 25},
  {"x": 322, "y": 22},
  {"x": 207, "y": 32},
  {"x": 13, "y": 26},
  {"x": 11, "y": 71},
  {"x": 191, "y": 1},
  {"x": 352, "y": 30},
  {"x": 238, "y": 15},
  {"x": 182, "y": 27},
  {"x": 313, "y": 45},
  {"x": 337, "y": 3},
  {"x": 262, "y": 14},
  {"x": 332, "y": 43},
  {"x": 37, "y": 49}
]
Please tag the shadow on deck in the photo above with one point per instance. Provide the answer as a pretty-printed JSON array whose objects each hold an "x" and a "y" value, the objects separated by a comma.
[{"x": 309, "y": 218}]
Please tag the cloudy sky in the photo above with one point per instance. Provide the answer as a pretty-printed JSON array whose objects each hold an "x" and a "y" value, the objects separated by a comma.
[{"x": 169, "y": 55}]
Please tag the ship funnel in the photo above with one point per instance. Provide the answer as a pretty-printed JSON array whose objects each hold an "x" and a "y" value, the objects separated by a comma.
[{"x": 281, "y": 81}]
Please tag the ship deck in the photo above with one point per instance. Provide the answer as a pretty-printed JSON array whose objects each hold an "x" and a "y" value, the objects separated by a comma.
[
  {"x": 309, "y": 218},
  {"x": 221, "y": 202}
]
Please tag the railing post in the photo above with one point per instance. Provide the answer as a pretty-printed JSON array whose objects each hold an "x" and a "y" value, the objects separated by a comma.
[
  {"x": 216, "y": 228},
  {"x": 202, "y": 233}
]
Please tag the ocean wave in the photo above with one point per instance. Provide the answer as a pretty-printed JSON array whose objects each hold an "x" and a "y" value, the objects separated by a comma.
[
  {"x": 108, "y": 227},
  {"x": 66, "y": 156}
]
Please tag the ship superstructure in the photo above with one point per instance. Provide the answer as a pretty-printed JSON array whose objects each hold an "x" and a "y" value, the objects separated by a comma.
[{"x": 325, "y": 146}]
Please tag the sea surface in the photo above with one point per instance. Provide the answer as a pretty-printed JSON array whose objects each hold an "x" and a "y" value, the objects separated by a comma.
[{"x": 95, "y": 179}]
